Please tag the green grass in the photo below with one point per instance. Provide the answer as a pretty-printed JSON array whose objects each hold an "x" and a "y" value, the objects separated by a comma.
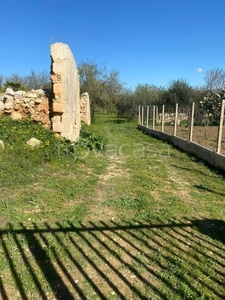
[{"x": 118, "y": 215}]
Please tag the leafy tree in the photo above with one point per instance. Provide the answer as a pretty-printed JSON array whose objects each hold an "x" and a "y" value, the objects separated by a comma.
[
  {"x": 14, "y": 81},
  {"x": 215, "y": 79},
  {"x": 37, "y": 80},
  {"x": 179, "y": 91},
  {"x": 33, "y": 81},
  {"x": 103, "y": 87},
  {"x": 15, "y": 85},
  {"x": 14, "y": 77},
  {"x": 112, "y": 90},
  {"x": 127, "y": 105},
  {"x": 144, "y": 94},
  {"x": 147, "y": 94}
]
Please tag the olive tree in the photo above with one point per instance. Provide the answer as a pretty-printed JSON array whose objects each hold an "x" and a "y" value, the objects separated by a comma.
[
  {"x": 179, "y": 91},
  {"x": 147, "y": 94},
  {"x": 127, "y": 105},
  {"x": 102, "y": 85}
]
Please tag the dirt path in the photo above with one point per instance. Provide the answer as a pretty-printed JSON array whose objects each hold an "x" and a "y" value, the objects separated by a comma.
[{"x": 97, "y": 211}]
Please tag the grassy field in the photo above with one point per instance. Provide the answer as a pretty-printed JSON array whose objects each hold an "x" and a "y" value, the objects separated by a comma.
[{"x": 120, "y": 215}]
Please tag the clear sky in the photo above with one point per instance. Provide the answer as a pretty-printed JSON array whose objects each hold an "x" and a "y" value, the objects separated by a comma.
[{"x": 148, "y": 41}]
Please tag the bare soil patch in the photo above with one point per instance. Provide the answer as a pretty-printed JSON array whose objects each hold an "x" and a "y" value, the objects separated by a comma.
[{"x": 205, "y": 136}]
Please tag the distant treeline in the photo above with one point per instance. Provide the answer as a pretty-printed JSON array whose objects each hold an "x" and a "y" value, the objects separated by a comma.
[{"x": 108, "y": 92}]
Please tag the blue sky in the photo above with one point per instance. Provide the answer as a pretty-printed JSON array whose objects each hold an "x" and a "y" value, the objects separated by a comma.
[{"x": 148, "y": 41}]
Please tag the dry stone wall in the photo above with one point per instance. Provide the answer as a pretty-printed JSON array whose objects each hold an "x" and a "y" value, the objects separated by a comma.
[
  {"x": 169, "y": 118},
  {"x": 33, "y": 104}
]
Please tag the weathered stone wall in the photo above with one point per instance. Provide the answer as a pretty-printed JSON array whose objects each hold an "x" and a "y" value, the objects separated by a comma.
[
  {"x": 169, "y": 118},
  {"x": 85, "y": 112},
  {"x": 65, "y": 112},
  {"x": 62, "y": 109},
  {"x": 33, "y": 104}
]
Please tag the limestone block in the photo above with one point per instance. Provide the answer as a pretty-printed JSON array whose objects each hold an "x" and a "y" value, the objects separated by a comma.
[
  {"x": 39, "y": 92},
  {"x": 43, "y": 106},
  {"x": 16, "y": 106},
  {"x": 31, "y": 95},
  {"x": 33, "y": 142},
  {"x": 57, "y": 88},
  {"x": 9, "y": 92},
  {"x": 8, "y": 105},
  {"x": 2, "y": 105},
  {"x": 16, "y": 116},
  {"x": 56, "y": 119},
  {"x": 38, "y": 101},
  {"x": 58, "y": 107},
  {"x": 85, "y": 109},
  {"x": 57, "y": 127},
  {"x": 19, "y": 94},
  {"x": 7, "y": 98},
  {"x": 2, "y": 145},
  {"x": 56, "y": 78}
]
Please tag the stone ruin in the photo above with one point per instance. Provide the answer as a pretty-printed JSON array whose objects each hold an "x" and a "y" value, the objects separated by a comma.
[
  {"x": 170, "y": 118},
  {"x": 65, "y": 116},
  {"x": 33, "y": 104},
  {"x": 85, "y": 112},
  {"x": 62, "y": 109}
]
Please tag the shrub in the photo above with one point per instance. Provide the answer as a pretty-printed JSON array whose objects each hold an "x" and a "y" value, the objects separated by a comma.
[{"x": 15, "y": 134}]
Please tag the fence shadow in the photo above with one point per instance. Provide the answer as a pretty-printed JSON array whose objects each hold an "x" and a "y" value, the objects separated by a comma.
[
  {"x": 207, "y": 189},
  {"x": 112, "y": 261},
  {"x": 214, "y": 169},
  {"x": 213, "y": 228}
]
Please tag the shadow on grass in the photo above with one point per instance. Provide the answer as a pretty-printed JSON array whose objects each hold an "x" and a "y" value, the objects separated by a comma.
[
  {"x": 207, "y": 189},
  {"x": 117, "y": 121},
  {"x": 213, "y": 228},
  {"x": 113, "y": 261},
  {"x": 214, "y": 169}
]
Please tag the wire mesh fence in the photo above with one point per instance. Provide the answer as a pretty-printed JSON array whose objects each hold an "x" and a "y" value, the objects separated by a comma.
[{"x": 185, "y": 124}]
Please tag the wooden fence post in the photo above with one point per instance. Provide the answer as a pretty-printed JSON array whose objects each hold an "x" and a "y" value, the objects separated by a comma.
[
  {"x": 192, "y": 122},
  {"x": 153, "y": 119},
  {"x": 139, "y": 115},
  {"x": 142, "y": 115},
  {"x": 147, "y": 116},
  {"x": 220, "y": 128},
  {"x": 163, "y": 112},
  {"x": 156, "y": 114},
  {"x": 175, "y": 121}
]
